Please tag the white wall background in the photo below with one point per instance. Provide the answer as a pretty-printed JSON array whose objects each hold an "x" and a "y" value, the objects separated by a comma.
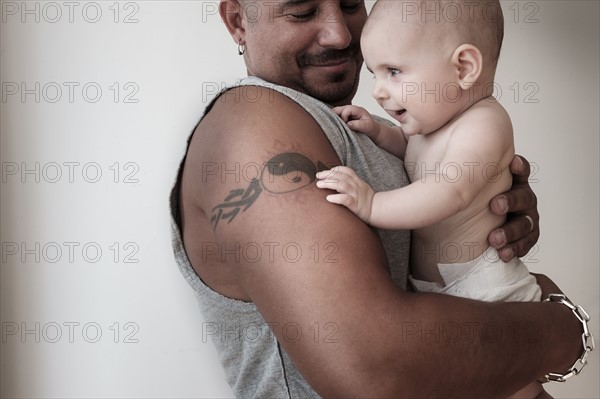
[{"x": 122, "y": 322}]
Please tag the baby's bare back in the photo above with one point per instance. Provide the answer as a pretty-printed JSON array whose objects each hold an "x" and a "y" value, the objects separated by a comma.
[{"x": 447, "y": 157}]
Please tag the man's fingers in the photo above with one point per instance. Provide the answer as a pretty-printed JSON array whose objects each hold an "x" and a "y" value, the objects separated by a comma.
[
  {"x": 531, "y": 223},
  {"x": 521, "y": 197},
  {"x": 506, "y": 253},
  {"x": 518, "y": 248},
  {"x": 518, "y": 199},
  {"x": 520, "y": 169},
  {"x": 516, "y": 237},
  {"x": 499, "y": 204},
  {"x": 497, "y": 238},
  {"x": 519, "y": 228}
]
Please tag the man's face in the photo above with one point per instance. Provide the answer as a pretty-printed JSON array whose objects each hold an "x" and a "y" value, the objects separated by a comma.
[{"x": 312, "y": 46}]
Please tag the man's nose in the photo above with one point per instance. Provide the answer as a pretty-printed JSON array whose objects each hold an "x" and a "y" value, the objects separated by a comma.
[{"x": 334, "y": 32}]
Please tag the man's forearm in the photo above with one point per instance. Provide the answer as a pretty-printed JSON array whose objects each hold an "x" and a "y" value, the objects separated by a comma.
[
  {"x": 463, "y": 348},
  {"x": 441, "y": 346}
]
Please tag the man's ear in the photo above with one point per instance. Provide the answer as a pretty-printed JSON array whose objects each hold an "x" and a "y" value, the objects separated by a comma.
[
  {"x": 232, "y": 15},
  {"x": 468, "y": 61}
]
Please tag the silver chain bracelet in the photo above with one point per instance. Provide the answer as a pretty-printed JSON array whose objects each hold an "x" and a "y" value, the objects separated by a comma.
[{"x": 586, "y": 337}]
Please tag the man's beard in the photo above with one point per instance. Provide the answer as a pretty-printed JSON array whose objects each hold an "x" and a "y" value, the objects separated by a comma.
[{"x": 334, "y": 91}]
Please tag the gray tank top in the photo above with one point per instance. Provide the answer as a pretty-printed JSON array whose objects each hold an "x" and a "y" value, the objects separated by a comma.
[{"x": 256, "y": 366}]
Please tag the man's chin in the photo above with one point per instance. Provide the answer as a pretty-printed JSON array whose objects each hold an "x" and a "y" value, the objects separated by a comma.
[{"x": 339, "y": 88}]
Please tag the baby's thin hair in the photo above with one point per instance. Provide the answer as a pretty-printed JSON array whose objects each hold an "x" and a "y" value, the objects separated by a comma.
[{"x": 476, "y": 22}]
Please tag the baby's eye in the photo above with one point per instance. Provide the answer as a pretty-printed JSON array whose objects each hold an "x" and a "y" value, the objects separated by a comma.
[{"x": 393, "y": 71}]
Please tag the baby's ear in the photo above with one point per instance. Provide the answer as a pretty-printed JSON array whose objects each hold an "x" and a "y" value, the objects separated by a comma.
[{"x": 469, "y": 63}]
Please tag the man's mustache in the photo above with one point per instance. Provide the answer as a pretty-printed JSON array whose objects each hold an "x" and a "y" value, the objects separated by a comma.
[{"x": 328, "y": 56}]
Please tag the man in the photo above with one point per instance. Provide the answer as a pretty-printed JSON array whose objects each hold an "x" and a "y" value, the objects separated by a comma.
[{"x": 298, "y": 294}]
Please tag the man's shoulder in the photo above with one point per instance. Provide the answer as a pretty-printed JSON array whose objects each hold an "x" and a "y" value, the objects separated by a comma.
[
  {"x": 250, "y": 107},
  {"x": 246, "y": 128},
  {"x": 256, "y": 93}
]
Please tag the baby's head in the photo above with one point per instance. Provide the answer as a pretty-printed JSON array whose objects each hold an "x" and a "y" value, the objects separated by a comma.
[{"x": 432, "y": 59}]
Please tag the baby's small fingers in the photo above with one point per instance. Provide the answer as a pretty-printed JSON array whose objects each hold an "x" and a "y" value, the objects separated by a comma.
[
  {"x": 324, "y": 174},
  {"x": 360, "y": 125},
  {"x": 340, "y": 199},
  {"x": 330, "y": 174},
  {"x": 346, "y": 112},
  {"x": 335, "y": 173},
  {"x": 327, "y": 184},
  {"x": 335, "y": 185},
  {"x": 341, "y": 186},
  {"x": 343, "y": 170}
]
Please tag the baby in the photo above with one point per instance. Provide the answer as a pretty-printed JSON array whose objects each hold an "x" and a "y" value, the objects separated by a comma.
[{"x": 434, "y": 64}]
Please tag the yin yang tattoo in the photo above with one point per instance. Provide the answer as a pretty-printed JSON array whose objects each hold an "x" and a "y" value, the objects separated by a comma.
[{"x": 284, "y": 173}]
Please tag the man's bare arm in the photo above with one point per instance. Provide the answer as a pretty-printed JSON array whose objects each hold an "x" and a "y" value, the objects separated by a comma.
[{"x": 361, "y": 334}]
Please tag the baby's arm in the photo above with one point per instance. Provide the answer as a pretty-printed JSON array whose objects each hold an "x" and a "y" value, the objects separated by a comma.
[
  {"x": 479, "y": 149},
  {"x": 390, "y": 138}
]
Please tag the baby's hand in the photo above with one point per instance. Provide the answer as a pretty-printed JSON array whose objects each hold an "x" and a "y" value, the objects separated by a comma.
[
  {"x": 358, "y": 119},
  {"x": 354, "y": 193}
]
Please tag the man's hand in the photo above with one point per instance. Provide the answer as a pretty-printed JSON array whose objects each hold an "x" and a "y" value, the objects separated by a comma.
[
  {"x": 522, "y": 229},
  {"x": 354, "y": 193}
]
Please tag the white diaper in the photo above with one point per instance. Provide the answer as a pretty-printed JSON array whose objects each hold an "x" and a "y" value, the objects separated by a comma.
[{"x": 486, "y": 278}]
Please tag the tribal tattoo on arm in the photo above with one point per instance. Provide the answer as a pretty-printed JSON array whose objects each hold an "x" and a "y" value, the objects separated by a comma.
[{"x": 282, "y": 174}]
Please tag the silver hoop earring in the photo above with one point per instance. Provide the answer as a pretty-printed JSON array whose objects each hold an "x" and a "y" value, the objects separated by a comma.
[{"x": 241, "y": 47}]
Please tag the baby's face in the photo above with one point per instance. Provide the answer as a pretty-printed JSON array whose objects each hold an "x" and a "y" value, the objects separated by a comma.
[{"x": 415, "y": 80}]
